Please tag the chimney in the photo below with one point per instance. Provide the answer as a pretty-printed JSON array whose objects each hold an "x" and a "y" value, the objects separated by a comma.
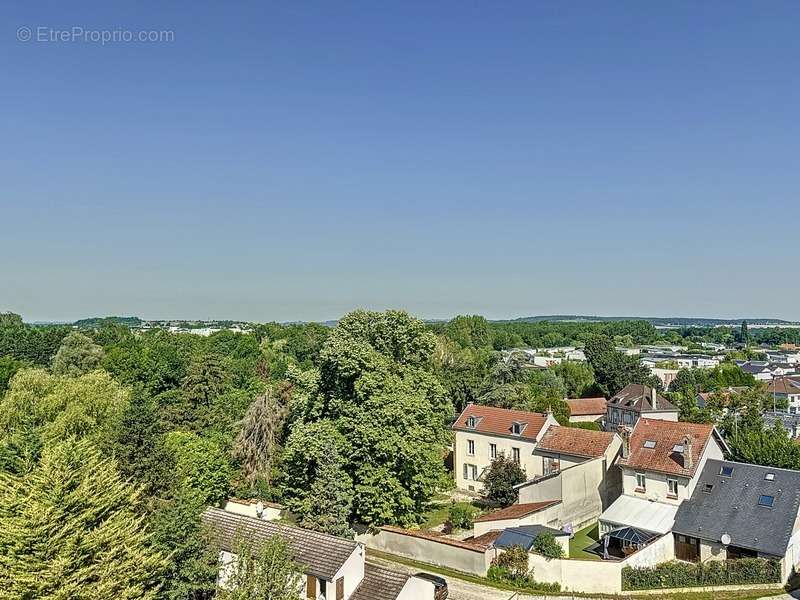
[
  {"x": 625, "y": 434},
  {"x": 654, "y": 397},
  {"x": 687, "y": 452}
]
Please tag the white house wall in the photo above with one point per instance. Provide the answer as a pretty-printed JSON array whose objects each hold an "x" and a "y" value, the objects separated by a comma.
[{"x": 353, "y": 572}]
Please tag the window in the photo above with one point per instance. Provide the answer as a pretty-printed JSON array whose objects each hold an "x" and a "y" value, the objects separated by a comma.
[
  {"x": 769, "y": 477},
  {"x": 340, "y": 588},
  {"x": 672, "y": 487},
  {"x": 516, "y": 428},
  {"x": 471, "y": 422},
  {"x": 708, "y": 487},
  {"x": 515, "y": 454},
  {"x": 615, "y": 416},
  {"x": 767, "y": 501},
  {"x": 726, "y": 471},
  {"x": 641, "y": 482},
  {"x": 471, "y": 447},
  {"x": 492, "y": 451},
  {"x": 650, "y": 444},
  {"x": 470, "y": 472},
  {"x": 627, "y": 417},
  {"x": 678, "y": 448}
]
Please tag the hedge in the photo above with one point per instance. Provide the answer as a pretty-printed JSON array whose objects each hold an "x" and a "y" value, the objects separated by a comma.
[{"x": 675, "y": 574}]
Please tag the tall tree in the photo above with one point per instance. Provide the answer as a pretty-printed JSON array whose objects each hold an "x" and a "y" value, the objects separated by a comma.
[
  {"x": 68, "y": 530},
  {"x": 327, "y": 508},
  {"x": 500, "y": 478},
  {"x": 256, "y": 445},
  {"x": 77, "y": 355},
  {"x": 376, "y": 385},
  {"x": 612, "y": 369}
]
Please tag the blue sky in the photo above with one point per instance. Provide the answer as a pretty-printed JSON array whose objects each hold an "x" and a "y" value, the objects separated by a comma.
[{"x": 297, "y": 160}]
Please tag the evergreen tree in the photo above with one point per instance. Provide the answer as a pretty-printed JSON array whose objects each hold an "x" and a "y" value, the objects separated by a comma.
[
  {"x": 327, "y": 508},
  {"x": 256, "y": 444},
  {"x": 68, "y": 530}
]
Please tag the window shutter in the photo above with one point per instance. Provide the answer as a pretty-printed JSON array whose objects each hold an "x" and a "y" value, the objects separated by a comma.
[
  {"x": 466, "y": 471},
  {"x": 311, "y": 587},
  {"x": 340, "y": 588}
]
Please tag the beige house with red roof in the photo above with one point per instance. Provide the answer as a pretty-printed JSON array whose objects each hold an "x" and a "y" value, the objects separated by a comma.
[
  {"x": 482, "y": 433},
  {"x": 660, "y": 463}
]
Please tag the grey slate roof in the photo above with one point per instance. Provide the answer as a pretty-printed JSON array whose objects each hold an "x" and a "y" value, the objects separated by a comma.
[
  {"x": 319, "y": 554},
  {"x": 524, "y": 536},
  {"x": 732, "y": 507},
  {"x": 380, "y": 584},
  {"x": 640, "y": 398}
]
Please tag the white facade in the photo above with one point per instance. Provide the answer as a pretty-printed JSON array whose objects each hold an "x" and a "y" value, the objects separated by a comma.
[{"x": 474, "y": 451}]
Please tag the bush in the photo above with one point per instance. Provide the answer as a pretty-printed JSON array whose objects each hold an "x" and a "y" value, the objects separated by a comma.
[
  {"x": 547, "y": 545},
  {"x": 590, "y": 425},
  {"x": 514, "y": 560},
  {"x": 461, "y": 515},
  {"x": 677, "y": 574}
]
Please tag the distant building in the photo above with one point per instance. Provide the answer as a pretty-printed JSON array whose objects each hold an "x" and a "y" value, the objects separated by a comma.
[{"x": 786, "y": 389}]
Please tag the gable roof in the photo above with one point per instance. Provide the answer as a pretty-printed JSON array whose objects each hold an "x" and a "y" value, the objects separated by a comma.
[
  {"x": 784, "y": 385},
  {"x": 639, "y": 398},
  {"x": 320, "y": 554},
  {"x": 498, "y": 421},
  {"x": 575, "y": 441},
  {"x": 584, "y": 407},
  {"x": 516, "y": 511},
  {"x": 380, "y": 583},
  {"x": 731, "y": 507},
  {"x": 667, "y": 435}
]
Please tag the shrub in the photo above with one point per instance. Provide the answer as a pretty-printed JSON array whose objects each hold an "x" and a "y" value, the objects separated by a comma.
[
  {"x": 590, "y": 425},
  {"x": 514, "y": 559},
  {"x": 461, "y": 515},
  {"x": 511, "y": 567},
  {"x": 547, "y": 545},
  {"x": 675, "y": 574}
]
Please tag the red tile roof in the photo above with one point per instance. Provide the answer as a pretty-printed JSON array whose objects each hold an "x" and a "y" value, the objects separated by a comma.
[
  {"x": 468, "y": 544},
  {"x": 574, "y": 441},
  {"x": 498, "y": 421},
  {"x": 784, "y": 385},
  {"x": 666, "y": 435},
  {"x": 516, "y": 511},
  {"x": 583, "y": 407}
]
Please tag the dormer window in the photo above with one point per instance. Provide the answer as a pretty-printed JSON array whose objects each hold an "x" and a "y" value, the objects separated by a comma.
[
  {"x": 517, "y": 427},
  {"x": 471, "y": 422},
  {"x": 726, "y": 471}
]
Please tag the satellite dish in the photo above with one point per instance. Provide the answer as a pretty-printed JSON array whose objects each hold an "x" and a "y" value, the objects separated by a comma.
[{"x": 725, "y": 539}]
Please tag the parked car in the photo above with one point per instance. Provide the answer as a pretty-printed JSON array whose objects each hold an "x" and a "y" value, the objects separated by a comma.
[{"x": 439, "y": 585}]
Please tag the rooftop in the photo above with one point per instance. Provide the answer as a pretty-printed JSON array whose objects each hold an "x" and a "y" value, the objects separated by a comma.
[
  {"x": 657, "y": 445},
  {"x": 640, "y": 398},
  {"x": 516, "y": 511},
  {"x": 320, "y": 554},
  {"x": 584, "y": 407},
  {"x": 501, "y": 421},
  {"x": 755, "y": 505},
  {"x": 575, "y": 441},
  {"x": 656, "y": 517},
  {"x": 524, "y": 536},
  {"x": 380, "y": 583}
]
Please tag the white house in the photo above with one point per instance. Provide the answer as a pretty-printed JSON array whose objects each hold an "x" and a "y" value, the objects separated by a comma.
[
  {"x": 660, "y": 464},
  {"x": 482, "y": 433},
  {"x": 788, "y": 389},
  {"x": 333, "y": 568}
]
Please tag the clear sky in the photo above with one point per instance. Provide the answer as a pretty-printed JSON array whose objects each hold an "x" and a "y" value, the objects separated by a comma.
[{"x": 295, "y": 160}]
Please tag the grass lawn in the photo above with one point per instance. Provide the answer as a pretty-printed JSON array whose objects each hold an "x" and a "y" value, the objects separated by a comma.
[
  {"x": 438, "y": 513},
  {"x": 583, "y": 539}
]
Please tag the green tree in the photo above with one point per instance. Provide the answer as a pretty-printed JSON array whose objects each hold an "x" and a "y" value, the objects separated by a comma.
[
  {"x": 262, "y": 571},
  {"x": 77, "y": 355},
  {"x": 201, "y": 465},
  {"x": 43, "y": 408},
  {"x": 744, "y": 334},
  {"x": 377, "y": 387},
  {"x": 577, "y": 376},
  {"x": 612, "y": 369},
  {"x": 68, "y": 530},
  {"x": 8, "y": 368},
  {"x": 328, "y": 506},
  {"x": 500, "y": 478}
]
